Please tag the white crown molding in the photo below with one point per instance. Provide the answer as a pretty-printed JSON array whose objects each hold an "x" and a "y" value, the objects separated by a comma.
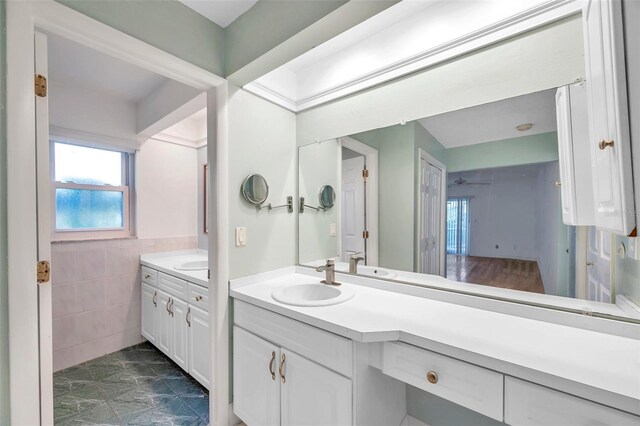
[
  {"x": 177, "y": 140},
  {"x": 62, "y": 134},
  {"x": 271, "y": 95},
  {"x": 528, "y": 20}
]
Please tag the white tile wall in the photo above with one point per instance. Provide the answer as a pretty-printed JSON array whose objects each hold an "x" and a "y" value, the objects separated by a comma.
[{"x": 96, "y": 295}]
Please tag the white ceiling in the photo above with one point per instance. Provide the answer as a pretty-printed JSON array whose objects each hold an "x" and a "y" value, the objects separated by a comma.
[
  {"x": 494, "y": 121},
  {"x": 191, "y": 130},
  {"x": 387, "y": 45},
  {"x": 222, "y": 12},
  {"x": 90, "y": 69}
]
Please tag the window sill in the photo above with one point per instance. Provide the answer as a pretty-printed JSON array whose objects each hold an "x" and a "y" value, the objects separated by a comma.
[{"x": 88, "y": 239}]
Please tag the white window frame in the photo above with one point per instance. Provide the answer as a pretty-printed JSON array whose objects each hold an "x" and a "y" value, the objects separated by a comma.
[{"x": 127, "y": 229}]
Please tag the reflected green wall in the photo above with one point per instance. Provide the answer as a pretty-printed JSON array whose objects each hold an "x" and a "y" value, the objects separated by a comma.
[
  {"x": 627, "y": 272},
  {"x": 529, "y": 149},
  {"x": 167, "y": 25},
  {"x": 398, "y": 156}
]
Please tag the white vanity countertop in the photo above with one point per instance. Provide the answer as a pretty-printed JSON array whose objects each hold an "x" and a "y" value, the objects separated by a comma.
[
  {"x": 166, "y": 261},
  {"x": 605, "y": 367}
]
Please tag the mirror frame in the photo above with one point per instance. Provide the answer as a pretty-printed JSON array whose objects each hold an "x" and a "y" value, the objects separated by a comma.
[
  {"x": 244, "y": 192},
  {"x": 324, "y": 205}
]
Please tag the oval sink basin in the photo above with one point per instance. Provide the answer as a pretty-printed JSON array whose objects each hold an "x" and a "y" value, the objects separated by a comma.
[
  {"x": 312, "y": 295},
  {"x": 195, "y": 265}
]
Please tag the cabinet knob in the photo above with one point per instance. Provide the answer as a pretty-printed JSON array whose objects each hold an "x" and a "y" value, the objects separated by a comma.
[
  {"x": 198, "y": 298},
  {"x": 147, "y": 276},
  {"x": 604, "y": 144},
  {"x": 432, "y": 377},
  {"x": 557, "y": 183}
]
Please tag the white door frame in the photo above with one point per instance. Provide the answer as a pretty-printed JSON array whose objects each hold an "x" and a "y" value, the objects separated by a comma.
[
  {"x": 371, "y": 191},
  {"x": 424, "y": 155},
  {"x": 22, "y": 240}
]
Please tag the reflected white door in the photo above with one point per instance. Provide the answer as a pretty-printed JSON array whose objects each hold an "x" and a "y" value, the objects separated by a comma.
[
  {"x": 599, "y": 265},
  {"x": 430, "y": 217},
  {"x": 353, "y": 207}
]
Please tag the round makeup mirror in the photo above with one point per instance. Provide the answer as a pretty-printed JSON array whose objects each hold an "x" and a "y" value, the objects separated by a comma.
[
  {"x": 327, "y": 196},
  {"x": 255, "y": 189}
]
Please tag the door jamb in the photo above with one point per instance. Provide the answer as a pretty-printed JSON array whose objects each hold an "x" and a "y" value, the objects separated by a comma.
[
  {"x": 371, "y": 158},
  {"x": 22, "y": 18}
]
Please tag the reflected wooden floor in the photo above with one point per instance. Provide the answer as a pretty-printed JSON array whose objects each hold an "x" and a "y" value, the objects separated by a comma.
[{"x": 523, "y": 275}]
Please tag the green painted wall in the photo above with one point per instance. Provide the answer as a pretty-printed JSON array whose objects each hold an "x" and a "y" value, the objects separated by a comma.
[
  {"x": 273, "y": 32},
  {"x": 538, "y": 148},
  {"x": 4, "y": 314},
  {"x": 627, "y": 273},
  {"x": 167, "y": 25},
  {"x": 255, "y": 32}
]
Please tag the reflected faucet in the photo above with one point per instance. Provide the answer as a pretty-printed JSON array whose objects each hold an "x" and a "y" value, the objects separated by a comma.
[
  {"x": 353, "y": 262},
  {"x": 330, "y": 272}
]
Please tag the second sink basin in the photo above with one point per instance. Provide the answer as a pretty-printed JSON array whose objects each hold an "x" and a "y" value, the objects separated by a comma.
[
  {"x": 195, "y": 265},
  {"x": 312, "y": 294}
]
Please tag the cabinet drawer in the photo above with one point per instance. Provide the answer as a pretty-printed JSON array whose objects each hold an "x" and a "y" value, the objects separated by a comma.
[
  {"x": 529, "y": 404},
  {"x": 148, "y": 275},
  {"x": 465, "y": 384},
  {"x": 172, "y": 285},
  {"x": 330, "y": 350},
  {"x": 198, "y": 296}
]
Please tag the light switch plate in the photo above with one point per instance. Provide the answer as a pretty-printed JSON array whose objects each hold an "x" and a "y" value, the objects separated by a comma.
[
  {"x": 241, "y": 237},
  {"x": 332, "y": 230}
]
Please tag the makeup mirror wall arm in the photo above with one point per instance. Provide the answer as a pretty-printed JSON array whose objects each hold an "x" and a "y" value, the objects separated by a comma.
[
  {"x": 303, "y": 205},
  {"x": 289, "y": 205}
]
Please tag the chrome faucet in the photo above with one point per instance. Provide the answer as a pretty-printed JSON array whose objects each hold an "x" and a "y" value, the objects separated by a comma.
[
  {"x": 353, "y": 262},
  {"x": 330, "y": 271}
]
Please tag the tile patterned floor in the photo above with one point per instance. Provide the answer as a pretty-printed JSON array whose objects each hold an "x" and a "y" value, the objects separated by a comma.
[{"x": 135, "y": 386}]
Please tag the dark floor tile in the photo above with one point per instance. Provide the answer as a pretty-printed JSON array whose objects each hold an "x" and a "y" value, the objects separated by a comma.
[
  {"x": 172, "y": 412},
  {"x": 78, "y": 372},
  {"x": 101, "y": 414},
  {"x": 102, "y": 371},
  {"x": 199, "y": 404},
  {"x": 153, "y": 357},
  {"x": 63, "y": 385},
  {"x": 169, "y": 370},
  {"x": 77, "y": 401},
  {"x": 186, "y": 387}
]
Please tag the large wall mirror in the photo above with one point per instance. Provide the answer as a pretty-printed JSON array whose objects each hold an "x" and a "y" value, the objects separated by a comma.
[{"x": 477, "y": 200}]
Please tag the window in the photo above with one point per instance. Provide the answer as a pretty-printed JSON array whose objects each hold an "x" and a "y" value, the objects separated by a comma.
[
  {"x": 91, "y": 190},
  {"x": 458, "y": 226}
]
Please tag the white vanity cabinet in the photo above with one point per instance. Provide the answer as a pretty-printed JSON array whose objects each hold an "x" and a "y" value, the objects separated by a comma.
[
  {"x": 610, "y": 142},
  {"x": 175, "y": 326},
  {"x": 574, "y": 151},
  {"x": 274, "y": 386}
]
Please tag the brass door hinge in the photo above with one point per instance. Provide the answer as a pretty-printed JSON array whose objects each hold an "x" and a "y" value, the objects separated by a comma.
[
  {"x": 365, "y": 234},
  {"x": 44, "y": 271},
  {"x": 365, "y": 173},
  {"x": 40, "y": 85}
]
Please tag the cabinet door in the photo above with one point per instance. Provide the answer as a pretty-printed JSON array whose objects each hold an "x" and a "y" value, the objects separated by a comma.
[
  {"x": 163, "y": 337},
  {"x": 608, "y": 116},
  {"x": 313, "y": 395},
  {"x": 179, "y": 333},
  {"x": 199, "y": 351},
  {"x": 256, "y": 384},
  {"x": 149, "y": 310}
]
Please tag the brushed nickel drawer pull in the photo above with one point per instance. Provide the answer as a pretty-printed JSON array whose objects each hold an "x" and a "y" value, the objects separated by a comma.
[
  {"x": 155, "y": 294},
  {"x": 283, "y": 359},
  {"x": 604, "y": 144},
  {"x": 187, "y": 317},
  {"x": 271, "y": 361},
  {"x": 432, "y": 377}
]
